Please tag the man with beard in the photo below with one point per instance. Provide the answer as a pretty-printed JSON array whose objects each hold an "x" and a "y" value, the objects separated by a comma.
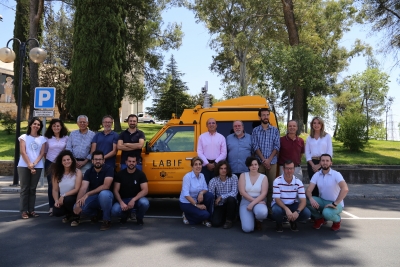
[
  {"x": 332, "y": 190},
  {"x": 292, "y": 147},
  {"x": 130, "y": 189},
  {"x": 79, "y": 143},
  {"x": 211, "y": 148},
  {"x": 106, "y": 141},
  {"x": 131, "y": 140},
  {"x": 94, "y": 194},
  {"x": 265, "y": 141}
]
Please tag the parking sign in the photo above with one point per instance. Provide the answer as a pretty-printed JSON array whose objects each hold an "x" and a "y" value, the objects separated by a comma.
[{"x": 45, "y": 97}]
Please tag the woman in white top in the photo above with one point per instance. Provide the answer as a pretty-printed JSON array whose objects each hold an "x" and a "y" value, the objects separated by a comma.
[
  {"x": 195, "y": 200},
  {"x": 253, "y": 186},
  {"x": 67, "y": 180},
  {"x": 57, "y": 137},
  {"x": 30, "y": 166},
  {"x": 318, "y": 142}
]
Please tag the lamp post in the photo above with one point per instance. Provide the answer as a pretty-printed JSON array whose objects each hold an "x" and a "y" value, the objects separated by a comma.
[{"x": 7, "y": 55}]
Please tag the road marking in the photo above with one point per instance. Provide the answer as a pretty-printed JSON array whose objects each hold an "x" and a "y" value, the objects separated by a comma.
[
  {"x": 38, "y": 206},
  {"x": 370, "y": 218},
  {"x": 351, "y": 215}
]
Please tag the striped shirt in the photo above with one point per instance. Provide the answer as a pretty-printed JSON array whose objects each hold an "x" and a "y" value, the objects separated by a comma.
[
  {"x": 266, "y": 141},
  {"x": 226, "y": 189},
  {"x": 288, "y": 192}
]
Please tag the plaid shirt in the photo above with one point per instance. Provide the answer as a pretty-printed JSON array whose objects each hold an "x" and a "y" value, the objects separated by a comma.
[
  {"x": 266, "y": 141},
  {"x": 226, "y": 189}
]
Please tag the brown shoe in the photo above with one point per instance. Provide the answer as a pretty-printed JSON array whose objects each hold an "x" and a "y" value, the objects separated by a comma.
[
  {"x": 258, "y": 225},
  {"x": 105, "y": 225},
  {"x": 227, "y": 225}
]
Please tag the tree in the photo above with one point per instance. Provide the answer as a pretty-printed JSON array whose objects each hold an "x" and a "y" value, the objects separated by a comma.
[
  {"x": 385, "y": 16},
  {"x": 171, "y": 95},
  {"x": 99, "y": 60},
  {"x": 241, "y": 28},
  {"x": 21, "y": 31},
  {"x": 56, "y": 70}
]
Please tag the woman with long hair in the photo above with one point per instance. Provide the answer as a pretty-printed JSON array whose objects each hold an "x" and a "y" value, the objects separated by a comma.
[
  {"x": 30, "y": 166},
  {"x": 253, "y": 186},
  {"x": 57, "y": 137},
  {"x": 318, "y": 142},
  {"x": 67, "y": 180}
]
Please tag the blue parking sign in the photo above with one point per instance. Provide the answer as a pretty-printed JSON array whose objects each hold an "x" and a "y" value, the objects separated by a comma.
[{"x": 45, "y": 97}]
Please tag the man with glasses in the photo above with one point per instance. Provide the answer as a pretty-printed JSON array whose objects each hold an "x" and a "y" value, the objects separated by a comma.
[
  {"x": 289, "y": 199},
  {"x": 131, "y": 141},
  {"x": 79, "y": 143},
  {"x": 95, "y": 195},
  {"x": 106, "y": 141},
  {"x": 211, "y": 148}
]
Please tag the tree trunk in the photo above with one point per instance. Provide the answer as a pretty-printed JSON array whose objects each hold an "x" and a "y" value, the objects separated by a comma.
[
  {"x": 35, "y": 13},
  {"x": 243, "y": 78},
  {"x": 298, "y": 100}
]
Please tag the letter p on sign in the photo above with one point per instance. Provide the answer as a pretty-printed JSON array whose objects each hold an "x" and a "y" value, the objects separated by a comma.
[{"x": 45, "y": 97}]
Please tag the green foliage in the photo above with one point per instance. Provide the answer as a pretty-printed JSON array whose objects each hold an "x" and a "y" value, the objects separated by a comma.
[
  {"x": 353, "y": 131},
  {"x": 377, "y": 132},
  {"x": 99, "y": 60},
  {"x": 171, "y": 94},
  {"x": 8, "y": 122}
]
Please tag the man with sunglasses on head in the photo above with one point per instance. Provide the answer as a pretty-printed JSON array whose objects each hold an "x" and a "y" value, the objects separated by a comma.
[{"x": 94, "y": 195}]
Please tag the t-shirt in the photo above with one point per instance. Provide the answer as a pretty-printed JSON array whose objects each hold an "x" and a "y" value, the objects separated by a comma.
[
  {"x": 96, "y": 179},
  {"x": 128, "y": 137},
  {"x": 105, "y": 143},
  {"x": 33, "y": 146},
  {"x": 130, "y": 182}
]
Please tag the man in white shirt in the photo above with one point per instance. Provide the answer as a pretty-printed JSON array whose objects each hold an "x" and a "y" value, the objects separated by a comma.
[{"x": 332, "y": 190}]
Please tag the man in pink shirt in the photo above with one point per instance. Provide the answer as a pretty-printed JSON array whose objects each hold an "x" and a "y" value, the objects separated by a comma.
[{"x": 211, "y": 148}]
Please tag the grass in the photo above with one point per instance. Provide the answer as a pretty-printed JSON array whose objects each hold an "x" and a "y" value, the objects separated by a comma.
[{"x": 376, "y": 152}]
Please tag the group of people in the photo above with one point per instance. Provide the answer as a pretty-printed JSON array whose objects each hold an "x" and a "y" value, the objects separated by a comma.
[
  {"x": 230, "y": 177},
  {"x": 80, "y": 171},
  {"x": 241, "y": 171}
]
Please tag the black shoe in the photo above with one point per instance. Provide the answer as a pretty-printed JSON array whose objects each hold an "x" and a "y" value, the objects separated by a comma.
[
  {"x": 105, "y": 226},
  {"x": 279, "y": 228},
  {"x": 123, "y": 220},
  {"x": 139, "y": 221},
  {"x": 293, "y": 226},
  {"x": 270, "y": 217}
]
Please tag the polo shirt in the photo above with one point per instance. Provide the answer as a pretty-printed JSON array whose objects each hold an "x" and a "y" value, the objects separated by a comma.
[
  {"x": 288, "y": 192},
  {"x": 96, "y": 179},
  {"x": 328, "y": 184},
  {"x": 105, "y": 143},
  {"x": 291, "y": 150},
  {"x": 128, "y": 137}
]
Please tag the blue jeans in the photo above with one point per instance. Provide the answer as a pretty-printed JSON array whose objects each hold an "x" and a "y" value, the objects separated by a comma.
[
  {"x": 278, "y": 213},
  {"x": 47, "y": 170},
  {"x": 329, "y": 214},
  {"x": 141, "y": 206},
  {"x": 195, "y": 215},
  {"x": 123, "y": 166},
  {"x": 101, "y": 201}
]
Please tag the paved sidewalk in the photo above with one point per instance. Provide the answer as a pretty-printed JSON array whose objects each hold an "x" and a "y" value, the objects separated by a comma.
[{"x": 355, "y": 190}]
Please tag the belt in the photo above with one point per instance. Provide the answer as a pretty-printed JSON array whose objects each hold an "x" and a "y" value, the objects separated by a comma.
[
  {"x": 78, "y": 159},
  {"x": 211, "y": 160},
  {"x": 316, "y": 158},
  {"x": 294, "y": 165}
]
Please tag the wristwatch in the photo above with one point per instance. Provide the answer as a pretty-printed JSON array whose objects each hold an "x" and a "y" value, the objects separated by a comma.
[
  {"x": 298, "y": 211},
  {"x": 63, "y": 195}
]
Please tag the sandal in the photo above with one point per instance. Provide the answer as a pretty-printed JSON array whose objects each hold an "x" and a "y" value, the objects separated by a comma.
[
  {"x": 33, "y": 214},
  {"x": 65, "y": 219},
  {"x": 207, "y": 223},
  {"x": 185, "y": 221},
  {"x": 24, "y": 215},
  {"x": 51, "y": 212}
]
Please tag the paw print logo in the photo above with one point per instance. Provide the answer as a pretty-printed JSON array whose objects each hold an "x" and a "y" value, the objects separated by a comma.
[{"x": 163, "y": 174}]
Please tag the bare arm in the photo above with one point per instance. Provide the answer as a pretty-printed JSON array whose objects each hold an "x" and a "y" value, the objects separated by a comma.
[
  {"x": 129, "y": 146},
  {"x": 242, "y": 188},
  {"x": 22, "y": 149},
  {"x": 112, "y": 153}
]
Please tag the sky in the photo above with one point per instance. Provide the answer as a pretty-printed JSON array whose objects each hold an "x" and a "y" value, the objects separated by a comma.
[{"x": 194, "y": 57}]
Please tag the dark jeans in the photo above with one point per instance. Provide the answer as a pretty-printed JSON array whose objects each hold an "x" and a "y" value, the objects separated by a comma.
[
  {"x": 278, "y": 213},
  {"x": 208, "y": 175},
  {"x": 311, "y": 172},
  {"x": 141, "y": 206},
  {"x": 224, "y": 212},
  {"x": 67, "y": 208},
  {"x": 195, "y": 215},
  {"x": 47, "y": 169}
]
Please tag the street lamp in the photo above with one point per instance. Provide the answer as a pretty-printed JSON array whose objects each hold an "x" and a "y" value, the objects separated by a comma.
[{"x": 7, "y": 55}]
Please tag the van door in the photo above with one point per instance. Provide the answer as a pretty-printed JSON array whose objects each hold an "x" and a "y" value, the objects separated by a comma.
[{"x": 168, "y": 159}]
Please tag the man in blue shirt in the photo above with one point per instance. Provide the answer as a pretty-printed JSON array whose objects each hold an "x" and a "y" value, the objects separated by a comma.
[
  {"x": 266, "y": 143},
  {"x": 106, "y": 141}
]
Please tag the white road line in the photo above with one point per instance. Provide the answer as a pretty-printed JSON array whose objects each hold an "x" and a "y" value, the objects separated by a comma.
[
  {"x": 370, "y": 218},
  {"x": 351, "y": 215},
  {"x": 13, "y": 211},
  {"x": 38, "y": 206}
]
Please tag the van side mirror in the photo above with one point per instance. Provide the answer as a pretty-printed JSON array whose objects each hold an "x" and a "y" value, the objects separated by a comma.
[{"x": 147, "y": 148}]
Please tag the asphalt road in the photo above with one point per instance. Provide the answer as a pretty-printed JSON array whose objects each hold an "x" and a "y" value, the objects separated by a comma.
[{"x": 369, "y": 237}]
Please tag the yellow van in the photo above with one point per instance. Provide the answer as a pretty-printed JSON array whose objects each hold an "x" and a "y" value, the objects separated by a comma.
[{"x": 166, "y": 157}]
